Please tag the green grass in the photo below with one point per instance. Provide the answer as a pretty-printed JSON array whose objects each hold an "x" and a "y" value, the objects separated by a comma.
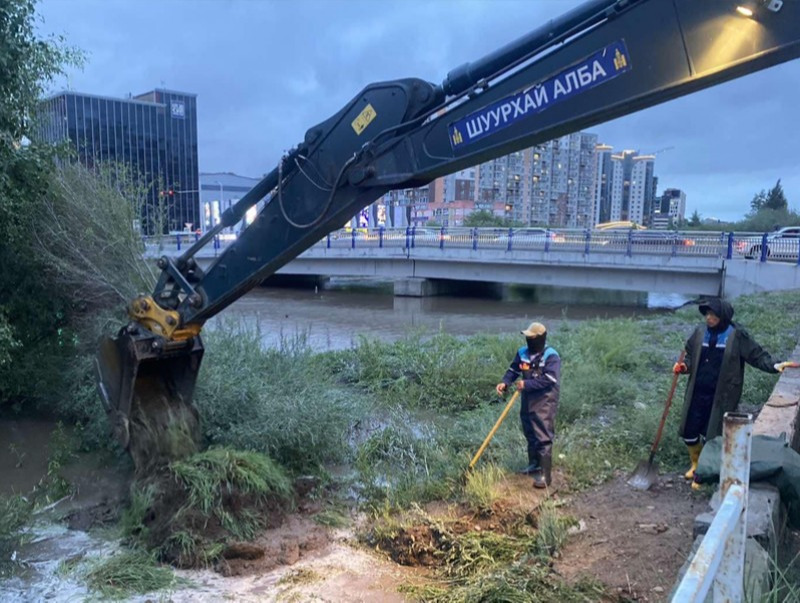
[
  {"x": 130, "y": 573},
  {"x": 333, "y": 517},
  {"x": 209, "y": 477},
  {"x": 439, "y": 372},
  {"x": 518, "y": 583},
  {"x": 481, "y": 487},
  {"x": 277, "y": 401},
  {"x": 551, "y": 529},
  {"x": 15, "y": 513}
]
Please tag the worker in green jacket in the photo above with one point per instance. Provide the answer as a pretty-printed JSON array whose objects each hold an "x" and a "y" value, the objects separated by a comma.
[{"x": 715, "y": 357}]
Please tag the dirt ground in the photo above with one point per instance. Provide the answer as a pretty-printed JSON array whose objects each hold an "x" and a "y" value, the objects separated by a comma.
[{"x": 634, "y": 542}]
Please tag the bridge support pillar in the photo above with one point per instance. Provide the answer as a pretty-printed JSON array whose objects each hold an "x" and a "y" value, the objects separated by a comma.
[
  {"x": 428, "y": 287},
  {"x": 416, "y": 287}
]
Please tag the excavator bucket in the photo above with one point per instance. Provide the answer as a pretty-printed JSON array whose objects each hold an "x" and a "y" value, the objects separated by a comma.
[{"x": 146, "y": 385}]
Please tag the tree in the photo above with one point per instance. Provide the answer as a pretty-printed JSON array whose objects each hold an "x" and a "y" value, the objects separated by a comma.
[
  {"x": 31, "y": 311},
  {"x": 758, "y": 201},
  {"x": 775, "y": 198},
  {"x": 484, "y": 218},
  {"x": 694, "y": 221}
]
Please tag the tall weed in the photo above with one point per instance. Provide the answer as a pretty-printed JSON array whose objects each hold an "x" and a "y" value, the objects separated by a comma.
[{"x": 276, "y": 401}]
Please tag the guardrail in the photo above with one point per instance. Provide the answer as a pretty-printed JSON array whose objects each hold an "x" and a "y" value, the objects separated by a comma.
[
  {"x": 730, "y": 245},
  {"x": 719, "y": 562}
]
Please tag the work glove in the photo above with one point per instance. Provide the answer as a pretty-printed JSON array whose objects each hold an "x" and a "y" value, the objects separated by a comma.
[
  {"x": 500, "y": 389},
  {"x": 784, "y": 365},
  {"x": 680, "y": 368}
]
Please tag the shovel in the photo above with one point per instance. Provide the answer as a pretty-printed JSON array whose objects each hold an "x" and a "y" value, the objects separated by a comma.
[
  {"x": 494, "y": 429},
  {"x": 646, "y": 472}
]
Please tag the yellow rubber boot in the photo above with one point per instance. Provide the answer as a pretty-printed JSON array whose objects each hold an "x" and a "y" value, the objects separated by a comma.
[{"x": 694, "y": 457}]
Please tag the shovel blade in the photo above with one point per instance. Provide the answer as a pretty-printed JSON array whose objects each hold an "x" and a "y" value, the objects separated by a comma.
[{"x": 644, "y": 476}]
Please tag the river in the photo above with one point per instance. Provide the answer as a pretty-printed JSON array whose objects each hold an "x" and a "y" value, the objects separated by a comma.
[{"x": 334, "y": 316}]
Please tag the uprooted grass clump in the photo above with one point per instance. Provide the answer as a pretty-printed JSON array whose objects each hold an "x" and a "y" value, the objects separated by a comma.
[
  {"x": 191, "y": 511},
  {"x": 129, "y": 573},
  {"x": 507, "y": 563}
]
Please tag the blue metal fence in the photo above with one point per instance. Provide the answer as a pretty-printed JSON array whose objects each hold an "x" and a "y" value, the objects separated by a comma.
[{"x": 760, "y": 247}]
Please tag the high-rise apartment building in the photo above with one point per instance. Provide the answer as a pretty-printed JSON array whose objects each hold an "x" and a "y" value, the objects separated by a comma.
[
  {"x": 625, "y": 186},
  {"x": 502, "y": 180},
  {"x": 561, "y": 175},
  {"x": 673, "y": 203},
  {"x": 154, "y": 134},
  {"x": 603, "y": 180},
  {"x": 459, "y": 186}
]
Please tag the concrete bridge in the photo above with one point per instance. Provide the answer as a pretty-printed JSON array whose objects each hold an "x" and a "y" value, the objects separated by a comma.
[{"x": 425, "y": 262}]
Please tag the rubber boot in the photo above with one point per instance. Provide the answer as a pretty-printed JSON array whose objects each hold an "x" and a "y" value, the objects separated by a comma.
[
  {"x": 694, "y": 457},
  {"x": 531, "y": 469},
  {"x": 542, "y": 478},
  {"x": 533, "y": 464}
]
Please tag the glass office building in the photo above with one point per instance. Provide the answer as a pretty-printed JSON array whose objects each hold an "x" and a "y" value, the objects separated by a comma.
[{"x": 154, "y": 134}]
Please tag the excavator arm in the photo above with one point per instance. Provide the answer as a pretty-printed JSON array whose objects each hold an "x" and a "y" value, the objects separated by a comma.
[{"x": 602, "y": 60}]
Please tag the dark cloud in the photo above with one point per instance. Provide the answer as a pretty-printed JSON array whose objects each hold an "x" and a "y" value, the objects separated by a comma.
[{"x": 265, "y": 71}]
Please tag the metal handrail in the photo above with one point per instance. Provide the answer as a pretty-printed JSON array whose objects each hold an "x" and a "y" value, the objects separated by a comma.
[
  {"x": 731, "y": 245},
  {"x": 719, "y": 562}
]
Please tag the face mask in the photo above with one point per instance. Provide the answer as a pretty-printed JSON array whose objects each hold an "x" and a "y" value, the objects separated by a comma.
[{"x": 536, "y": 344}]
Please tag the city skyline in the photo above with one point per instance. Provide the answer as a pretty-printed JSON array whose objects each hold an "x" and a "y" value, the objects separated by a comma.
[{"x": 251, "y": 107}]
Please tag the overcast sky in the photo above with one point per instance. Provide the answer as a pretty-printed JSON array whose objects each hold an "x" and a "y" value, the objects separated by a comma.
[{"x": 265, "y": 71}]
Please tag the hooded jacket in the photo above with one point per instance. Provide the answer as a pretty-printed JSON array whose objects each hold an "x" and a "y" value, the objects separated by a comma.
[{"x": 736, "y": 347}]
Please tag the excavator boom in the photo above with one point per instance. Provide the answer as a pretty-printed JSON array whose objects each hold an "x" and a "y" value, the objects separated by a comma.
[{"x": 602, "y": 60}]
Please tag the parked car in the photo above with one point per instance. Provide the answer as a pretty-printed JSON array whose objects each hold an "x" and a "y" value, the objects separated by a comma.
[
  {"x": 530, "y": 236},
  {"x": 427, "y": 234},
  {"x": 783, "y": 244},
  {"x": 660, "y": 238}
]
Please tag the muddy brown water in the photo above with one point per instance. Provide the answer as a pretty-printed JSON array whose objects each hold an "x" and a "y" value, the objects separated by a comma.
[
  {"x": 335, "y": 316},
  {"x": 24, "y": 453}
]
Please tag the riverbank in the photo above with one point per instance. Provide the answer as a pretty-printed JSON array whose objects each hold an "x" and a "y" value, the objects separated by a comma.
[{"x": 386, "y": 428}]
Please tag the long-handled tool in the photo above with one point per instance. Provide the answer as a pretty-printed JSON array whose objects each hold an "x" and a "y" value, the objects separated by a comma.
[
  {"x": 494, "y": 429},
  {"x": 646, "y": 472}
]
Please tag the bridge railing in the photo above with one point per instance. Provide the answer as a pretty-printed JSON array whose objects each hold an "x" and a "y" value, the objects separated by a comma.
[
  {"x": 586, "y": 241},
  {"x": 756, "y": 246}
]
